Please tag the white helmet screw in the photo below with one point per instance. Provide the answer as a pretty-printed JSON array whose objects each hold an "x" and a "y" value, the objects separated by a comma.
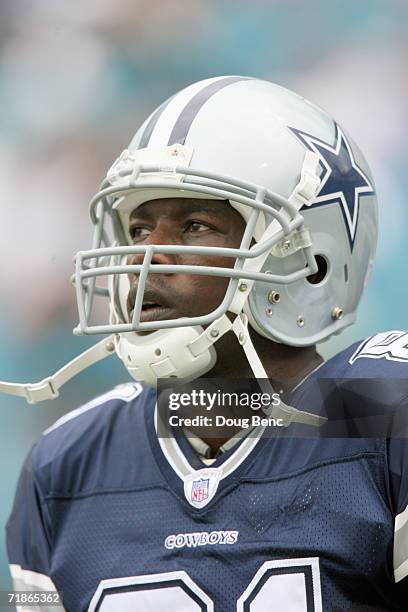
[
  {"x": 337, "y": 313},
  {"x": 242, "y": 286},
  {"x": 300, "y": 320},
  {"x": 269, "y": 312},
  {"x": 274, "y": 297},
  {"x": 214, "y": 333}
]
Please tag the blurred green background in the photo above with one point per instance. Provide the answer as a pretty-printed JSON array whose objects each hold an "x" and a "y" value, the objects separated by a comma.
[{"x": 76, "y": 80}]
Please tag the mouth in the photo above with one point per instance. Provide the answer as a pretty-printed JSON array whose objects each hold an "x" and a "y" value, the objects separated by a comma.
[{"x": 152, "y": 310}]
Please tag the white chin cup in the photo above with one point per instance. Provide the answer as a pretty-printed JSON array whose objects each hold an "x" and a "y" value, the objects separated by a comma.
[{"x": 164, "y": 354}]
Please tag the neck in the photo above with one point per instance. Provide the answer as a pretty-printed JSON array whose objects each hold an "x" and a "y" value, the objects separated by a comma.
[
  {"x": 284, "y": 365},
  {"x": 289, "y": 364}
]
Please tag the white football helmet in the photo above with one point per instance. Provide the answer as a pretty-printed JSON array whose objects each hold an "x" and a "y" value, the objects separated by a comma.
[{"x": 304, "y": 190}]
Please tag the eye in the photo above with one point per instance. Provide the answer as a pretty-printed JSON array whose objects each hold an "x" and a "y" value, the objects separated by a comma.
[
  {"x": 197, "y": 226},
  {"x": 137, "y": 232}
]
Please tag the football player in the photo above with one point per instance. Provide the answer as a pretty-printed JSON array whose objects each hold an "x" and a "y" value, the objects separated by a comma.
[{"x": 236, "y": 232}]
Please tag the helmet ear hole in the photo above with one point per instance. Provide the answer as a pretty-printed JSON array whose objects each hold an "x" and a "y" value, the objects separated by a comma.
[{"x": 322, "y": 269}]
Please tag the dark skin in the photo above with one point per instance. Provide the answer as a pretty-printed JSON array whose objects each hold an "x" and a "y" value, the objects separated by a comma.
[{"x": 198, "y": 222}]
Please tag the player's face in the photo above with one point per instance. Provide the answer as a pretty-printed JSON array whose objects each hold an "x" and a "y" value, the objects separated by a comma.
[{"x": 184, "y": 222}]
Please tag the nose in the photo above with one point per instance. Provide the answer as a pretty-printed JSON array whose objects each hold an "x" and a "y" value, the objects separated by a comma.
[{"x": 161, "y": 235}]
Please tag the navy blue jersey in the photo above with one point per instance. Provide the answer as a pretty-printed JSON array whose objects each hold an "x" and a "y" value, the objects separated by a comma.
[{"x": 118, "y": 519}]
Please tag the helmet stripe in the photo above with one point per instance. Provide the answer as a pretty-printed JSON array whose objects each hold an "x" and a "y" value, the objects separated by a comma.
[
  {"x": 166, "y": 120},
  {"x": 181, "y": 110},
  {"x": 189, "y": 112},
  {"x": 152, "y": 123}
]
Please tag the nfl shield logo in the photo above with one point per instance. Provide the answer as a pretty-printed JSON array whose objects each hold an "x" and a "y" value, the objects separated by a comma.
[
  {"x": 199, "y": 489},
  {"x": 201, "y": 486}
]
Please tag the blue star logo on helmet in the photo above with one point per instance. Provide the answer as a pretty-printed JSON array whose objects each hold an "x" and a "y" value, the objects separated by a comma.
[{"x": 342, "y": 180}]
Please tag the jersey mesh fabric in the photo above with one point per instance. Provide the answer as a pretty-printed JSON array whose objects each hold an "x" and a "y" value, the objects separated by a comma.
[{"x": 335, "y": 512}]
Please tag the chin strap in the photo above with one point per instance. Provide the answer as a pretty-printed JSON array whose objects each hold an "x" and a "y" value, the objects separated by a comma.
[
  {"x": 287, "y": 413},
  {"x": 240, "y": 328},
  {"x": 48, "y": 388}
]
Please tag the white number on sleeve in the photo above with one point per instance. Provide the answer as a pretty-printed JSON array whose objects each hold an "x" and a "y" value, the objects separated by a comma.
[{"x": 392, "y": 346}]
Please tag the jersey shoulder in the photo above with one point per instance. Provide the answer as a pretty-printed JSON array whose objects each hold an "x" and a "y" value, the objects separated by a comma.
[
  {"x": 94, "y": 440},
  {"x": 369, "y": 377},
  {"x": 97, "y": 414},
  {"x": 384, "y": 355}
]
